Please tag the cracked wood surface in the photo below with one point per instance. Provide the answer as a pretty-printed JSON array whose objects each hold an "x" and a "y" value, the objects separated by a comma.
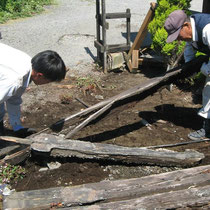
[
  {"x": 58, "y": 147},
  {"x": 178, "y": 189}
]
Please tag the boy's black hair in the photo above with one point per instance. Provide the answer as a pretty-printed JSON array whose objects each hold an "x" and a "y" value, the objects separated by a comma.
[{"x": 50, "y": 64}]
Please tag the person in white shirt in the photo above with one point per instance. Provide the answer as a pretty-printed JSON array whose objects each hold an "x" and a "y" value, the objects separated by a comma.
[
  {"x": 17, "y": 70},
  {"x": 195, "y": 30}
]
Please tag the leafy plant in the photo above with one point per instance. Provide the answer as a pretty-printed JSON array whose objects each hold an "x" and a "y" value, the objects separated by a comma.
[
  {"x": 10, "y": 173},
  {"x": 11, "y": 9},
  {"x": 159, "y": 35}
]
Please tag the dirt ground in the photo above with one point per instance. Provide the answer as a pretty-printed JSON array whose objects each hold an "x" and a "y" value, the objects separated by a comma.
[{"x": 171, "y": 115}]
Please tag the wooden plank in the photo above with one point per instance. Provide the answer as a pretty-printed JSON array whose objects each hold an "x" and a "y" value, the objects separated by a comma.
[
  {"x": 17, "y": 152},
  {"x": 117, "y": 48},
  {"x": 178, "y": 144},
  {"x": 129, "y": 64},
  {"x": 150, "y": 83},
  {"x": 118, "y": 15},
  {"x": 99, "y": 46},
  {"x": 155, "y": 191},
  {"x": 135, "y": 57},
  {"x": 17, "y": 140},
  {"x": 58, "y": 147},
  {"x": 8, "y": 149},
  {"x": 192, "y": 198},
  {"x": 17, "y": 157},
  {"x": 90, "y": 119},
  {"x": 142, "y": 31}
]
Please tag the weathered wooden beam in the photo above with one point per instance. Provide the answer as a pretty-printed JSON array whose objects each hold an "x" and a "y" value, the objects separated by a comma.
[
  {"x": 8, "y": 150},
  {"x": 15, "y": 153},
  {"x": 58, "y": 147},
  {"x": 178, "y": 144},
  {"x": 191, "y": 198},
  {"x": 17, "y": 157},
  {"x": 171, "y": 190},
  {"x": 17, "y": 140}
]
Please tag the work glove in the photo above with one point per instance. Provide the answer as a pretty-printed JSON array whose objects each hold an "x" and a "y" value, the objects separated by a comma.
[{"x": 24, "y": 132}]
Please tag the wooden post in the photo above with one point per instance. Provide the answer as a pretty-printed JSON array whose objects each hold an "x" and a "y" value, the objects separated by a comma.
[
  {"x": 104, "y": 35},
  {"x": 98, "y": 34},
  {"x": 128, "y": 26}
]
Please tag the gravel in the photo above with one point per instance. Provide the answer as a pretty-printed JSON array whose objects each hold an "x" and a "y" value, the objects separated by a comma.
[{"x": 69, "y": 28}]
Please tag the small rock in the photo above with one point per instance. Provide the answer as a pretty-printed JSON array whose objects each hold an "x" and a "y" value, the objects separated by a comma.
[
  {"x": 58, "y": 182},
  {"x": 43, "y": 169},
  {"x": 99, "y": 97},
  {"x": 7, "y": 191},
  {"x": 54, "y": 165},
  {"x": 161, "y": 121}
]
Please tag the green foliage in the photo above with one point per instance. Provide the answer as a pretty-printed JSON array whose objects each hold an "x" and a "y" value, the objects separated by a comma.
[
  {"x": 11, "y": 9},
  {"x": 158, "y": 33},
  {"x": 10, "y": 173}
]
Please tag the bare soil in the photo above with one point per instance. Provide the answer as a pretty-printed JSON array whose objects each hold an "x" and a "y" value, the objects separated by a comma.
[{"x": 171, "y": 115}]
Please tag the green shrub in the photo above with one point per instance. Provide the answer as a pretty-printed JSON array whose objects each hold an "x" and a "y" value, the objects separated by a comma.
[
  {"x": 159, "y": 35},
  {"x": 11, "y": 9}
]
